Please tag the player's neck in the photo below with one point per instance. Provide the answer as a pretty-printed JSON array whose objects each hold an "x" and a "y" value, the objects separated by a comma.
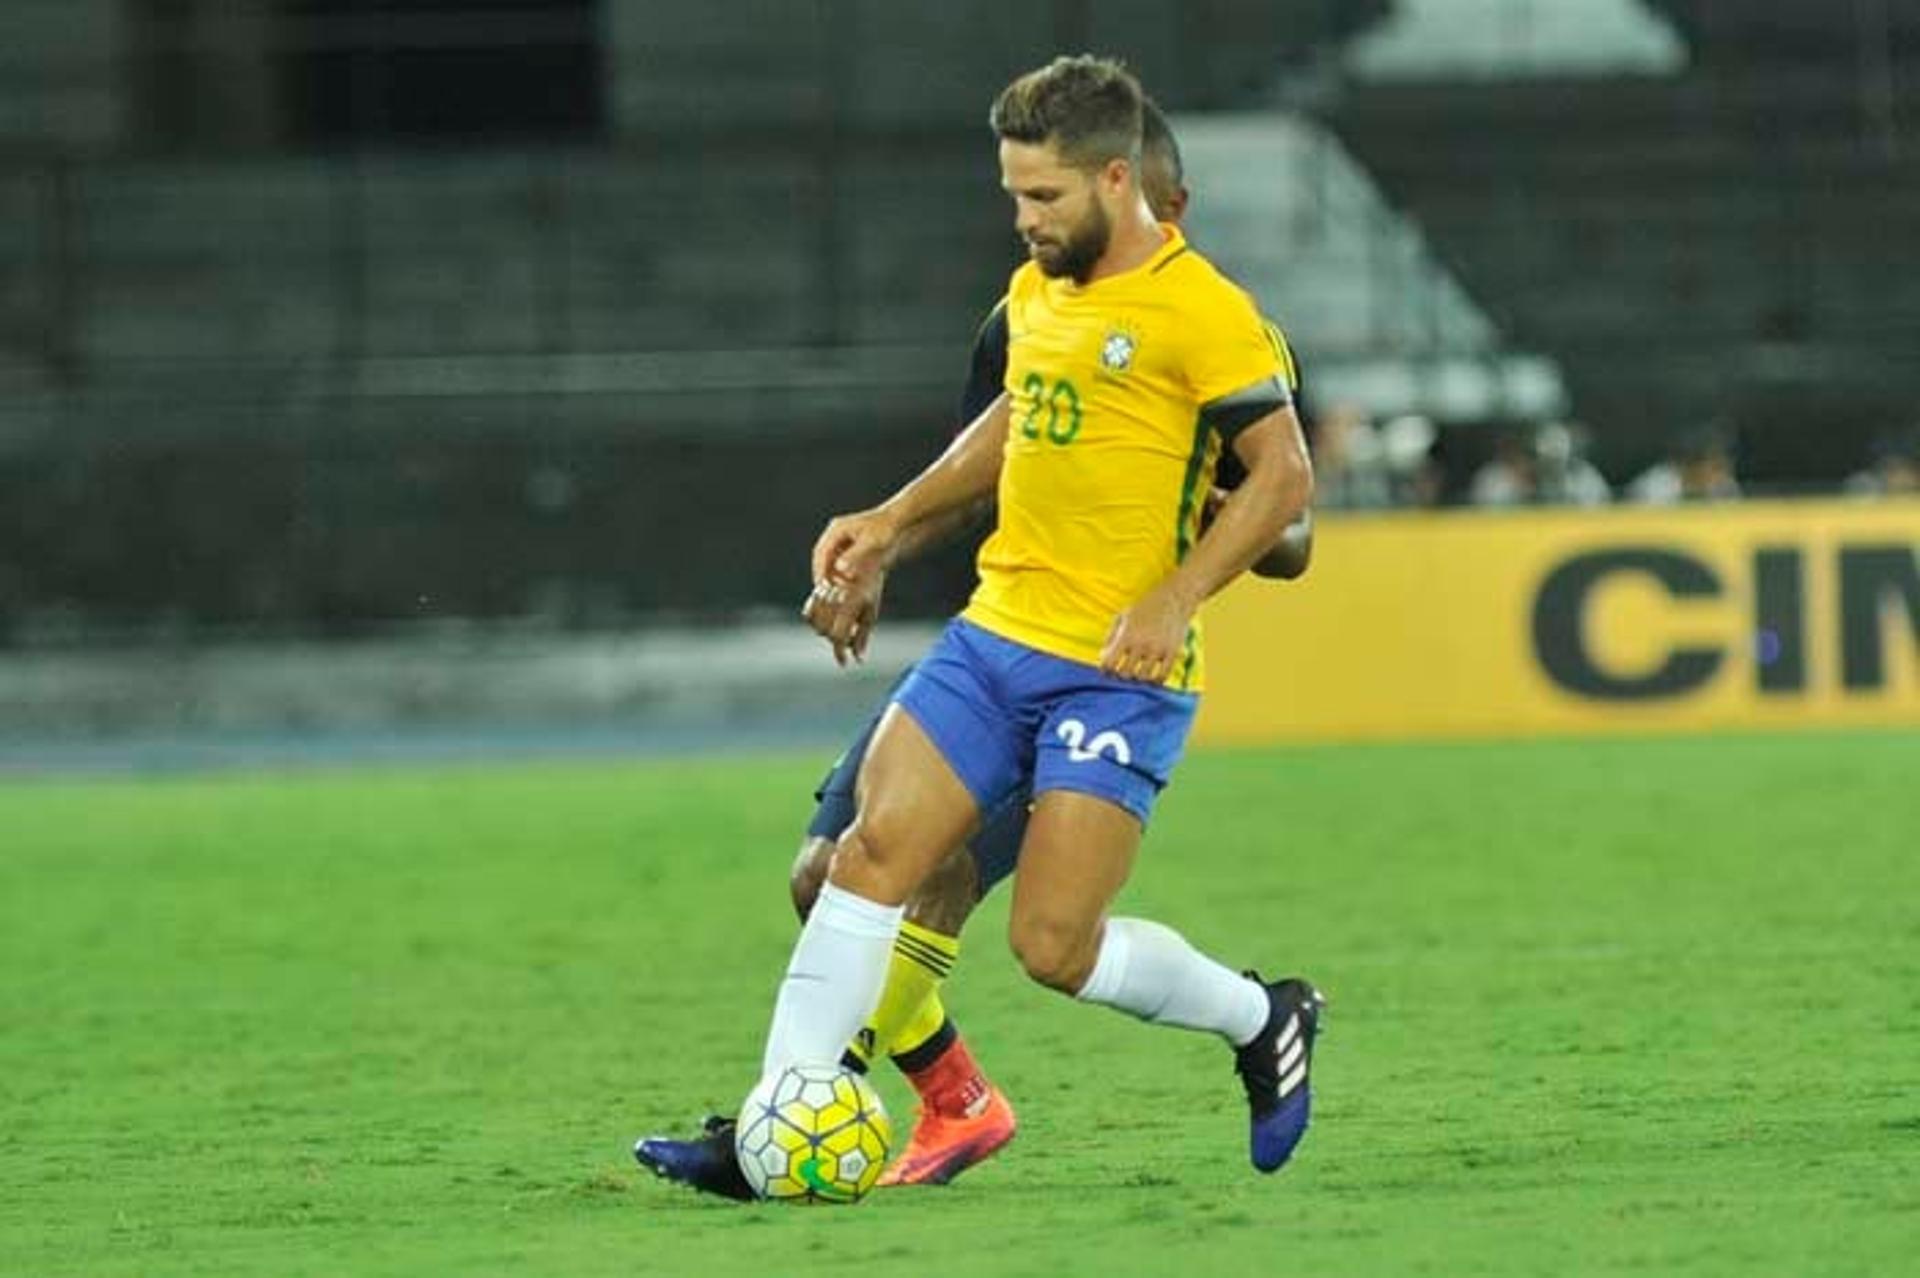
[{"x": 1134, "y": 242}]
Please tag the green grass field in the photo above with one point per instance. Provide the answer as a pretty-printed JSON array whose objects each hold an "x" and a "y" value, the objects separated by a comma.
[{"x": 1625, "y": 1007}]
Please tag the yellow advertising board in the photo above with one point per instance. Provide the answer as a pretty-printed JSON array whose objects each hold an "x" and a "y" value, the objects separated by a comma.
[{"x": 1483, "y": 623}]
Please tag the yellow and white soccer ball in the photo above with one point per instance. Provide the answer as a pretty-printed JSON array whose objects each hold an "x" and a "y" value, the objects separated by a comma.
[{"x": 813, "y": 1134}]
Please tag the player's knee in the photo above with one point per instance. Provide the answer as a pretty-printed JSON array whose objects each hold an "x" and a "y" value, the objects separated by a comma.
[
  {"x": 809, "y": 872},
  {"x": 1056, "y": 954},
  {"x": 870, "y": 861}
]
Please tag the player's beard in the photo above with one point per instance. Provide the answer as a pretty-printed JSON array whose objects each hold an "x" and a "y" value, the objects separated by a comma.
[{"x": 1075, "y": 256}]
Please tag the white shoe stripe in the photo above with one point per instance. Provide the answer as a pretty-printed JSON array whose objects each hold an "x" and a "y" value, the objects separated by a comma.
[
  {"x": 1288, "y": 1032},
  {"x": 1291, "y": 1057},
  {"x": 1293, "y": 1080}
]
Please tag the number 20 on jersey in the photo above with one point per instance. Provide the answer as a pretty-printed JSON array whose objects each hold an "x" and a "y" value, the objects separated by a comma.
[{"x": 1060, "y": 404}]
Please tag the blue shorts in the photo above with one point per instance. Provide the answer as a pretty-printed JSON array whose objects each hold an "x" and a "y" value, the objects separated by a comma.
[
  {"x": 995, "y": 846},
  {"x": 1006, "y": 716}
]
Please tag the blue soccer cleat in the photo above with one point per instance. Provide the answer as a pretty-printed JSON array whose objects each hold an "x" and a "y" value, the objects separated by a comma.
[
  {"x": 707, "y": 1162},
  {"x": 1273, "y": 1068}
]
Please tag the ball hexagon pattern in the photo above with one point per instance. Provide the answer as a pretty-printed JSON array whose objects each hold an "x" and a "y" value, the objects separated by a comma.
[{"x": 813, "y": 1133}]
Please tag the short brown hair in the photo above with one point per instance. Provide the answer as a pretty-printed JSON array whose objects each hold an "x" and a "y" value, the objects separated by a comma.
[{"x": 1088, "y": 107}]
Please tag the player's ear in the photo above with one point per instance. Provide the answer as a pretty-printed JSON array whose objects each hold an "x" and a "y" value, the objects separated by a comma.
[{"x": 1115, "y": 175}]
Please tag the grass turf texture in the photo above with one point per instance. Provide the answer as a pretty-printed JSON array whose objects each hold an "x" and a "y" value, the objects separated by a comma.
[{"x": 1616, "y": 1007}]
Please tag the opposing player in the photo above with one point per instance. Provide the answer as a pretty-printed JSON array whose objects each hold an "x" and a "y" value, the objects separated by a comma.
[
  {"x": 1182, "y": 362},
  {"x": 963, "y": 1118}
]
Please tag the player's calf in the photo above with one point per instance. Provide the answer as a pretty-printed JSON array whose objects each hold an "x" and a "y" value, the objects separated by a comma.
[
  {"x": 913, "y": 810},
  {"x": 809, "y": 872},
  {"x": 946, "y": 899}
]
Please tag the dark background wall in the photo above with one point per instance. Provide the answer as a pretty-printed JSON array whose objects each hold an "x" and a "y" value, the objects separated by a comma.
[{"x": 327, "y": 316}]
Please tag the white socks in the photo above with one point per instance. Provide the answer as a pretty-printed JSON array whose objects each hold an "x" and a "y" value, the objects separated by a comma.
[
  {"x": 1151, "y": 972},
  {"x": 839, "y": 966},
  {"x": 833, "y": 980}
]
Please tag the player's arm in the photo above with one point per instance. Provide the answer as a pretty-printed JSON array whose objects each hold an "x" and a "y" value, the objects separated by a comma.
[
  {"x": 937, "y": 531},
  {"x": 1148, "y": 638},
  {"x": 853, "y": 546},
  {"x": 845, "y": 614},
  {"x": 1290, "y": 556},
  {"x": 1275, "y": 493},
  {"x": 986, "y": 382},
  {"x": 1293, "y": 553}
]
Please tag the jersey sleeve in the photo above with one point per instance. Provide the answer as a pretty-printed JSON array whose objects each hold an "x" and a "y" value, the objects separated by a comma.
[
  {"x": 1283, "y": 350},
  {"x": 987, "y": 369},
  {"x": 1232, "y": 472},
  {"x": 1234, "y": 367}
]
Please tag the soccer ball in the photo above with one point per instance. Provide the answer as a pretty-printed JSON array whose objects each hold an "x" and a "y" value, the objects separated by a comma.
[{"x": 813, "y": 1134}]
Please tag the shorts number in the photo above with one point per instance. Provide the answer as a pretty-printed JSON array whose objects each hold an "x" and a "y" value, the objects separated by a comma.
[{"x": 1063, "y": 409}]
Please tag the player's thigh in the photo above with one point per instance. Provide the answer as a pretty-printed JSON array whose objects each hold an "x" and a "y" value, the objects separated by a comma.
[
  {"x": 833, "y": 812},
  {"x": 995, "y": 846},
  {"x": 1078, "y": 852},
  {"x": 948, "y": 897},
  {"x": 913, "y": 810},
  {"x": 833, "y": 798}
]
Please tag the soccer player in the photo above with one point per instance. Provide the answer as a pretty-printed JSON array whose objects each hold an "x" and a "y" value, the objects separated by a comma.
[
  {"x": 963, "y": 1118},
  {"x": 1182, "y": 362}
]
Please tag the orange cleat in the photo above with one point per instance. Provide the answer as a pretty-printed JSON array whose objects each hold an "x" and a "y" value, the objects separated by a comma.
[{"x": 944, "y": 1145}]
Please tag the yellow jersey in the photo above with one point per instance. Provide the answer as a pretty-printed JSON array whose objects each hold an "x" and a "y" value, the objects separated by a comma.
[{"x": 1123, "y": 392}]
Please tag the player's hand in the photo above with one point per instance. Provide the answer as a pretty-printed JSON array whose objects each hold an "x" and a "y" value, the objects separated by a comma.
[
  {"x": 854, "y": 547},
  {"x": 845, "y": 615},
  {"x": 1148, "y": 638}
]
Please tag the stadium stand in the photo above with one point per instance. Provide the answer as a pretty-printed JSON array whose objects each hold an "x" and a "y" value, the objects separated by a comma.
[
  {"x": 789, "y": 222},
  {"x": 1695, "y": 242}
]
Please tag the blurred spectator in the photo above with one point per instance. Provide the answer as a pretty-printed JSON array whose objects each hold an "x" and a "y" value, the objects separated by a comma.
[
  {"x": 1507, "y": 478},
  {"x": 1565, "y": 476},
  {"x": 1700, "y": 468},
  {"x": 1895, "y": 470},
  {"x": 1414, "y": 475},
  {"x": 1349, "y": 462},
  {"x": 1543, "y": 466}
]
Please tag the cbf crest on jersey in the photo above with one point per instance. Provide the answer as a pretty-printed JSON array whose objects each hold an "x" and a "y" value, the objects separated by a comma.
[{"x": 1116, "y": 353}]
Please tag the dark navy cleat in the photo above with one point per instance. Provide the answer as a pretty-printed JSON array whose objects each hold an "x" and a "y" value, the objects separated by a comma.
[
  {"x": 1273, "y": 1068},
  {"x": 707, "y": 1162}
]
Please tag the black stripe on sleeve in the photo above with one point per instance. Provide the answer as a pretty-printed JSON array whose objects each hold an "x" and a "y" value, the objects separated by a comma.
[{"x": 1231, "y": 414}]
